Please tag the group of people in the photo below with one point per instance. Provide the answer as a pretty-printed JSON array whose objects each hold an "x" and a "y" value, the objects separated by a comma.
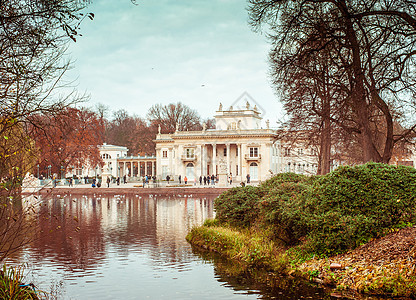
[
  {"x": 97, "y": 183},
  {"x": 206, "y": 179},
  {"x": 146, "y": 179}
]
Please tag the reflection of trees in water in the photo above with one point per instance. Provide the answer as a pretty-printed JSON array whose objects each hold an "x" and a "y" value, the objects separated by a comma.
[
  {"x": 72, "y": 234},
  {"x": 80, "y": 231}
]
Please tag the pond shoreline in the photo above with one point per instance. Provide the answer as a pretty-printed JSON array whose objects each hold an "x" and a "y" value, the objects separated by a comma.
[
  {"x": 165, "y": 191},
  {"x": 356, "y": 272}
]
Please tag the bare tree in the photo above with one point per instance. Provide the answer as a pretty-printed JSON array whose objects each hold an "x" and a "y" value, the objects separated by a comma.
[
  {"x": 132, "y": 132},
  {"x": 174, "y": 116},
  {"x": 371, "y": 46},
  {"x": 33, "y": 39}
]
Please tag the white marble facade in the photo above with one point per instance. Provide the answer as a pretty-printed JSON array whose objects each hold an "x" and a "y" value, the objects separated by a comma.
[{"x": 238, "y": 146}]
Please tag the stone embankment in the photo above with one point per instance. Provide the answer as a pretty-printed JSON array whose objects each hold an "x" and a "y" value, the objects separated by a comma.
[{"x": 129, "y": 188}]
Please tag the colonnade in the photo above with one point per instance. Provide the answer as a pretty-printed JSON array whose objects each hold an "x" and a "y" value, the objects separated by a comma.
[
  {"x": 136, "y": 167},
  {"x": 207, "y": 159}
]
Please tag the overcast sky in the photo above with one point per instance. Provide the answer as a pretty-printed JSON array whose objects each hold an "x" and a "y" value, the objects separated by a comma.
[{"x": 198, "y": 52}]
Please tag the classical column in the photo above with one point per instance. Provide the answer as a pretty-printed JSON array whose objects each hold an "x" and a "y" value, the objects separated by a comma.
[
  {"x": 239, "y": 159},
  {"x": 214, "y": 158},
  {"x": 228, "y": 159},
  {"x": 202, "y": 158},
  {"x": 145, "y": 167},
  {"x": 170, "y": 169},
  {"x": 178, "y": 164}
]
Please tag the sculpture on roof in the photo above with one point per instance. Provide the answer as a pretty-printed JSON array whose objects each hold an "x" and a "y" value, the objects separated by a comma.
[
  {"x": 247, "y": 105},
  {"x": 158, "y": 129},
  {"x": 220, "y": 108}
]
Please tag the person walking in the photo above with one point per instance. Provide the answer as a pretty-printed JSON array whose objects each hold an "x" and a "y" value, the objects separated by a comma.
[
  {"x": 212, "y": 179},
  {"x": 180, "y": 179},
  {"x": 167, "y": 178},
  {"x": 200, "y": 180},
  {"x": 248, "y": 178},
  {"x": 118, "y": 180},
  {"x": 125, "y": 179},
  {"x": 70, "y": 181},
  {"x": 205, "y": 180},
  {"x": 108, "y": 181},
  {"x": 230, "y": 179},
  {"x": 186, "y": 180}
]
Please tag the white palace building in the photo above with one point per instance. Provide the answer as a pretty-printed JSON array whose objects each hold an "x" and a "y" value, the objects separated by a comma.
[{"x": 237, "y": 147}]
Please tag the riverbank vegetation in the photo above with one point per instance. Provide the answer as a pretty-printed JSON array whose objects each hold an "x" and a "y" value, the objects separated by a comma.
[
  {"x": 353, "y": 228},
  {"x": 11, "y": 286}
]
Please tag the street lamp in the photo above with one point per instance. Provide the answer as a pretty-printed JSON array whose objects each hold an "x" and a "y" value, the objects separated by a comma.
[
  {"x": 38, "y": 171},
  {"x": 118, "y": 175},
  {"x": 62, "y": 172},
  {"x": 96, "y": 169}
]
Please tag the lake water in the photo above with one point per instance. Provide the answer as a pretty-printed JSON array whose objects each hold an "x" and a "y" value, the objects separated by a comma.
[{"x": 134, "y": 247}]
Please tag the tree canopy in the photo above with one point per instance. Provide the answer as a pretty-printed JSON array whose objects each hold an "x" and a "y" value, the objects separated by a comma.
[{"x": 365, "y": 49}]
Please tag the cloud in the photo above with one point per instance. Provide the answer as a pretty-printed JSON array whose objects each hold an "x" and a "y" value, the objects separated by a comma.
[{"x": 199, "y": 52}]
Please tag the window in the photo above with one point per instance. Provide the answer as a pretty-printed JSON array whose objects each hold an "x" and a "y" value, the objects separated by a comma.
[
  {"x": 106, "y": 156},
  {"x": 225, "y": 151},
  {"x": 254, "y": 152},
  {"x": 78, "y": 171},
  {"x": 164, "y": 154},
  {"x": 236, "y": 170},
  {"x": 236, "y": 152},
  {"x": 287, "y": 151},
  {"x": 189, "y": 153},
  {"x": 300, "y": 151}
]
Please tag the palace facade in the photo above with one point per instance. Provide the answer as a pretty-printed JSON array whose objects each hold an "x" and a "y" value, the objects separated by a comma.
[{"x": 239, "y": 147}]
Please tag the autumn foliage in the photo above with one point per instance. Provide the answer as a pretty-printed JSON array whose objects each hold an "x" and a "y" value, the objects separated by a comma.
[{"x": 68, "y": 138}]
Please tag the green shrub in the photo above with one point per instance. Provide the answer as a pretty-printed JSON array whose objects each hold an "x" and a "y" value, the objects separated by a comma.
[
  {"x": 354, "y": 204},
  {"x": 238, "y": 206},
  {"x": 278, "y": 179},
  {"x": 283, "y": 209},
  {"x": 333, "y": 213}
]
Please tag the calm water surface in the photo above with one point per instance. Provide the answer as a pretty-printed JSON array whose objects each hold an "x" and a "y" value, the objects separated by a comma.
[{"x": 134, "y": 247}]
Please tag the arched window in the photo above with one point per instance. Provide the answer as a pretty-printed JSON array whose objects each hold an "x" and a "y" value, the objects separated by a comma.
[{"x": 190, "y": 171}]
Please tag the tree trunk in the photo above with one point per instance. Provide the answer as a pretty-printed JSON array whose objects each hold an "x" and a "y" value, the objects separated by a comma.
[{"x": 325, "y": 146}]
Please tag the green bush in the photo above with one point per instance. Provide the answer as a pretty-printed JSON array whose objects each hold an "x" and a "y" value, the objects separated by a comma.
[
  {"x": 238, "y": 206},
  {"x": 354, "y": 204},
  {"x": 278, "y": 179},
  {"x": 334, "y": 213},
  {"x": 282, "y": 208}
]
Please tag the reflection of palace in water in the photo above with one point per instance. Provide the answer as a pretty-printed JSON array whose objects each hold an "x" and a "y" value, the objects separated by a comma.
[{"x": 82, "y": 229}]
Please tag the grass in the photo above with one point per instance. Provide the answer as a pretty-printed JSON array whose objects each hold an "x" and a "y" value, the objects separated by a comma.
[
  {"x": 255, "y": 249},
  {"x": 11, "y": 279},
  {"x": 249, "y": 247}
]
